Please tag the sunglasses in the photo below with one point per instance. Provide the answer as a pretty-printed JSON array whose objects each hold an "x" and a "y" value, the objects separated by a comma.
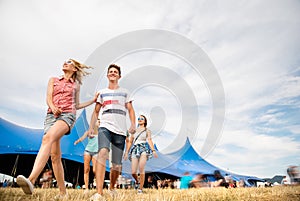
[
  {"x": 141, "y": 118},
  {"x": 69, "y": 62}
]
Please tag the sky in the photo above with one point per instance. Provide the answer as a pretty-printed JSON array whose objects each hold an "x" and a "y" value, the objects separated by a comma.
[{"x": 252, "y": 46}]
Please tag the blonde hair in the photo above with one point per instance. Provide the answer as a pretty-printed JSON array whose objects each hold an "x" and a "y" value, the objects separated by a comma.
[{"x": 80, "y": 73}]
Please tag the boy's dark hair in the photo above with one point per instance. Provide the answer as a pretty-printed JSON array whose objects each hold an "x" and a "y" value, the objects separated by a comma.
[{"x": 114, "y": 66}]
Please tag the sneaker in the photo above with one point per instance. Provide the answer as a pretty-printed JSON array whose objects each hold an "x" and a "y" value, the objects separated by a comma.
[
  {"x": 139, "y": 191},
  {"x": 136, "y": 186},
  {"x": 61, "y": 197},
  {"x": 97, "y": 197},
  {"x": 113, "y": 193},
  {"x": 25, "y": 184}
]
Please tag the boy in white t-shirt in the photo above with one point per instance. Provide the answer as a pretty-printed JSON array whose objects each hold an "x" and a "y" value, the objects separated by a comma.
[{"x": 114, "y": 102}]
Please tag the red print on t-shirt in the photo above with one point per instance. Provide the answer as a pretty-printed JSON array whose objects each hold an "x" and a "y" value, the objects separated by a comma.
[{"x": 108, "y": 102}]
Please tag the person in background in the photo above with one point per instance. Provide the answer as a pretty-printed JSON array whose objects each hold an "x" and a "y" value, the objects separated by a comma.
[
  {"x": 63, "y": 101},
  {"x": 90, "y": 153},
  {"x": 5, "y": 183},
  {"x": 185, "y": 180},
  {"x": 151, "y": 182},
  {"x": 294, "y": 174},
  {"x": 47, "y": 179},
  {"x": 140, "y": 152},
  {"x": 219, "y": 180},
  {"x": 177, "y": 184},
  {"x": 240, "y": 183},
  {"x": 285, "y": 181},
  {"x": 199, "y": 181}
]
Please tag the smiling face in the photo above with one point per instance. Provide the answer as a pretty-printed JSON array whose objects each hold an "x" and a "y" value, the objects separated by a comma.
[{"x": 113, "y": 74}]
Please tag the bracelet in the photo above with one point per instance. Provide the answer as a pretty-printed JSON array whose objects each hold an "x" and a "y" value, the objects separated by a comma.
[{"x": 153, "y": 150}]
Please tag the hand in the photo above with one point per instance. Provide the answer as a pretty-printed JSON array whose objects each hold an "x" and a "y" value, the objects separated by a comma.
[
  {"x": 56, "y": 111},
  {"x": 77, "y": 141},
  {"x": 95, "y": 97},
  {"x": 90, "y": 132},
  {"x": 155, "y": 154},
  {"x": 91, "y": 135},
  {"x": 131, "y": 130},
  {"x": 125, "y": 157}
]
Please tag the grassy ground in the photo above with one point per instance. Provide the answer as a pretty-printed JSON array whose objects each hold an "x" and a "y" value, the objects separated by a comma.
[{"x": 280, "y": 193}]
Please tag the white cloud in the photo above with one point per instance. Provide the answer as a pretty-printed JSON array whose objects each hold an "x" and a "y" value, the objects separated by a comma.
[{"x": 239, "y": 150}]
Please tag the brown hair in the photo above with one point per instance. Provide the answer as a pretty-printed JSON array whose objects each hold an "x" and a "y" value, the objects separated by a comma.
[
  {"x": 114, "y": 66},
  {"x": 145, "y": 120}
]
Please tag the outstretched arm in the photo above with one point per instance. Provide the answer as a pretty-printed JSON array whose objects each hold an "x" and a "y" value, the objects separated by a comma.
[
  {"x": 79, "y": 105},
  {"x": 81, "y": 138}
]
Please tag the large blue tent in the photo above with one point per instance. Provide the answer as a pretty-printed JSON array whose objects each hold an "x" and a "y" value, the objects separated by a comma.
[
  {"x": 16, "y": 139},
  {"x": 19, "y": 146}
]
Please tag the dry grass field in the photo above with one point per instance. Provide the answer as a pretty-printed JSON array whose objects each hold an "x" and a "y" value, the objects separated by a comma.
[{"x": 280, "y": 193}]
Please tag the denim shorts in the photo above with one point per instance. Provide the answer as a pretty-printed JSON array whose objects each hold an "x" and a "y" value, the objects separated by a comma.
[
  {"x": 140, "y": 149},
  {"x": 105, "y": 137},
  {"x": 68, "y": 118},
  {"x": 92, "y": 154}
]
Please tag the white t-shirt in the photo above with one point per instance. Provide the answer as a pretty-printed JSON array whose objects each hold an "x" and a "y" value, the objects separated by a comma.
[
  {"x": 113, "y": 116},
  {"x": 143, "y": 135}
]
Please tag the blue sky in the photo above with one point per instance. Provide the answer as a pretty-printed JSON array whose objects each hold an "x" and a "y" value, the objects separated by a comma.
[{"x": 254, "y": 46}]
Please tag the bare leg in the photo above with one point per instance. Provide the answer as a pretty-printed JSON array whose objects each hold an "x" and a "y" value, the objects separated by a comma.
[
  {"x": 54, "y": 134},
  {"x": 114, "y": 174},
  {"x": 142, "y": 163},
  {"x": 58, "y": 167},
  {"x": 134, "y": 166},
  {"x": 94, "y": 161},
  {"x": 100, "y": 169},
  {"x": 87, "y": 160}
]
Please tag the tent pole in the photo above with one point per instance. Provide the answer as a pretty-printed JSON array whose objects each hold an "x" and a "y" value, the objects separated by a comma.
[
  {"x": 66, "y": 170},
  {"x": 49, "y": 167},
  {"x": 78, "y": 177},
  {"x": 14, "y": 170}
]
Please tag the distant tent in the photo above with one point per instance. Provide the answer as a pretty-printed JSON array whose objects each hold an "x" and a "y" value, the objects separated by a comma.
[
  {"x": 20, "y": 140},
  {"x": 186, "y": 159}
]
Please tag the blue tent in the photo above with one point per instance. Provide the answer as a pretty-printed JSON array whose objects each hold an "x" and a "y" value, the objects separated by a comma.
[
  {"x": 20, "y": 140},
  {"x": 186, "y": 159},
  {"x": 16, "y": 139},
  {"x": 19, "y": 146}
]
